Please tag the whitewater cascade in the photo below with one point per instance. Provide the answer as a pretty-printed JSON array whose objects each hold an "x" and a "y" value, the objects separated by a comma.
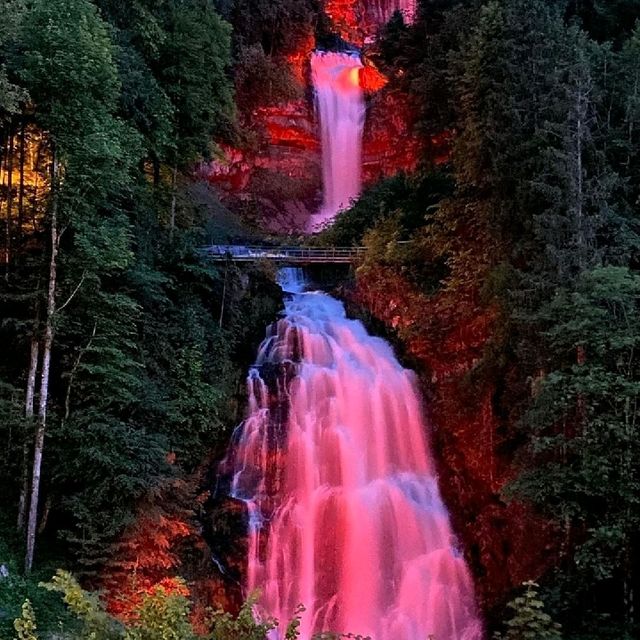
[
  {"x": 345, "y": 515},
  {"x": 341, "y": 110}
]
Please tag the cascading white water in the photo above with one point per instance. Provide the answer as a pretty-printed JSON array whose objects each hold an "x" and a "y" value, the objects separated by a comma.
[
  {"x": 345, "y": 515},
  {"x": 340, "y": 105}
]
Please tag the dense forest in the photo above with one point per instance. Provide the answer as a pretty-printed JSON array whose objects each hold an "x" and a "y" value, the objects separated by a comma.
[{"x": 123, "y": 349}]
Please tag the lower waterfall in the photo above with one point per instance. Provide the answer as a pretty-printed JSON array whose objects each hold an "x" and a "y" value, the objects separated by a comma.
[{"x": 333, "y": 464}]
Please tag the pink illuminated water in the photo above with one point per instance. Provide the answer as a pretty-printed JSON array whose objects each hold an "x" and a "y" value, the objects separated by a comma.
[
  {"x": 334, "y": 467},
  {"x": 340, "y": 104}
]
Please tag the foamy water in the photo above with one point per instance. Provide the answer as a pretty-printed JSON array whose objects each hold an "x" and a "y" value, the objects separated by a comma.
[
  {"x": 333, "y": 464},
  {"x": 341, "y": 111}
]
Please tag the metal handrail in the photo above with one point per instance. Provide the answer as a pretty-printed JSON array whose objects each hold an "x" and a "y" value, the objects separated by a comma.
[{"x": 257, "y": 252}]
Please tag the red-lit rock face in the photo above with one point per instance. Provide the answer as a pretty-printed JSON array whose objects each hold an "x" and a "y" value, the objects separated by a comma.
[
  {"x": 283, "y": 173},
  {"x": 389, "y": 146},
  {"x": 505, "y": 542},
  {"x": 358, "y": 21}
]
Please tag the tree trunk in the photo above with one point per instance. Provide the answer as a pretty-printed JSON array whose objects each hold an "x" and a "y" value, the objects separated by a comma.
[
  {"x": 224, "y": 294},
  {"x": 155, "y": 163},
  {"x": 44, "y": 375},
  {"x": 7, "y": 259},
  {"x": 36, "y": 187},
  {"x": 74, "y": 369},
  {"x": 21, "y": 186},
  {"x": 4, "y": 163},
  {"x": 28, "y": 414}
]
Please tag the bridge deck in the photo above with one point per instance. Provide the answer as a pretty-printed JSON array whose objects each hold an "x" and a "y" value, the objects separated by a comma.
[{"x": 284, "y": 255}]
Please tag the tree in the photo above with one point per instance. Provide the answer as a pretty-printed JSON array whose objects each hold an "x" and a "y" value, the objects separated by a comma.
[
  {"x": 69, "y": 70},
  {"x": 529, "y": 618},
  {"x": 10, "y": 93},
  {"x": 279, "y": 27},
  {"x": 194, "y": 64},
  {"x": 583, "y": 468}
]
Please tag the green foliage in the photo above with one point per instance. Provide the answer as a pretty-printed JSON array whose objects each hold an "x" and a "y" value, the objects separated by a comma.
[
  {"x": 278, "y": 26},
  {"x": 584, "y": 421},
  {"x": 529, "y": 620},
  {"x": 408, "y": 199},
  {"x": 162, "y": 616},
  {"x": 606, "y": 19},
  {"x": 262, "y": 81},
  {"x": 11, "y": 94},
  {"x": 68, "y": 67},
  {"x": 194, "y": 74},
  {"x": 243, "y": 626},
  {"x": 86, "y": 607},
  {"x": 146, "y": 351}
]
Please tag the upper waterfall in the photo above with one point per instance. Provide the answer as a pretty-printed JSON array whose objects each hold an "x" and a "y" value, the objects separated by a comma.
[
  {"x": 341, "y": 111},
  {"x": 333, "y": 463}
]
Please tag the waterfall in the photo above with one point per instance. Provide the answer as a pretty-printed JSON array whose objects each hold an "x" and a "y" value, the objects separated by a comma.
[
  {"x": 340, "y": 106},
  {"x": 345, "y": 515}
]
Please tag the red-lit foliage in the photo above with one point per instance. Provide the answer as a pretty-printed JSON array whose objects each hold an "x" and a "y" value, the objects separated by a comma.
[
  {"x": 127, "y": 603},
  {"x": 298, "y": 60},
  {"x": 345, "y": 18},
  {"x": 146, "y": 558},
  {"x": 371, "y": 79}
]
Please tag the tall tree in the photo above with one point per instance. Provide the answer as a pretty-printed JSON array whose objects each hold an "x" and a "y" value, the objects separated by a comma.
[
  {"x": 68, "y": 67},
  {"x": 194, "y": 62}
]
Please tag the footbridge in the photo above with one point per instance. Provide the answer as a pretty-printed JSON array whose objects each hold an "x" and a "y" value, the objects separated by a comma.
[{"x": 294, "y": 255}]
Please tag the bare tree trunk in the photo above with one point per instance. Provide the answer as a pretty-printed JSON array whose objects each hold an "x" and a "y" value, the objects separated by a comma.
[
  {"x": 45, "y": 515},
  {"x": 224, "y": 294},
  {"x": 28, "y": 414},
  {"x": 21, "y": 186},
  {"x": 7, "y": 260},
  {"x": 155, "y": 163},
  {"x": 74, "y": 369},
  {"x": 4, "y": 162},
  {"x": 36, "y": 186},
  {"x": 44, "y": 376}
]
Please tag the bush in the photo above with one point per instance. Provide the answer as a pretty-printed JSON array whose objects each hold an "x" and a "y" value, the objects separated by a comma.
[{"x": 529, "y": 621}]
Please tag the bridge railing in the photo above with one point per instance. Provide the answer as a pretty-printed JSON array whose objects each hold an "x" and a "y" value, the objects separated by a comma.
[{"x": 294, "y": 254}]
